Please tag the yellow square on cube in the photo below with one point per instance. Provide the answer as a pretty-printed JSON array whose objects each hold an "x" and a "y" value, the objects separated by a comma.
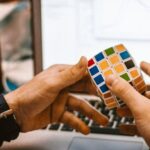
[
  {"x": 119, "y": 68},
  {"x": 103, "y": 65},
  {"x": 114, "y": 59},
  {"x": 108, "y": 72}
]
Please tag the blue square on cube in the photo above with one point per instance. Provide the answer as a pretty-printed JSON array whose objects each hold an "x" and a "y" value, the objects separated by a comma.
[
  {"x": 124, "y": 55},
  {"x": 99, "y": 79},
  {"x": 104, "y": 88},
  {"x": 94, "y": 70},
  {"x": 99, "y": 56}
]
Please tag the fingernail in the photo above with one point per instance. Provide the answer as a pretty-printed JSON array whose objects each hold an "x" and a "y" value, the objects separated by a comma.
[
  {"x": 86, "y": 131},
  {"x": 110, "y": 79}
]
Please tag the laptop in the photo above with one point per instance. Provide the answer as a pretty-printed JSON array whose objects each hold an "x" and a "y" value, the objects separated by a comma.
[{"x": 68, "y": 22}]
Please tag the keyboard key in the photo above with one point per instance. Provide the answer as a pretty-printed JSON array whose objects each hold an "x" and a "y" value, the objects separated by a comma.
[
  {"x": 54, "y": 126},
  {"x": 129, "y": 119},
  {"x": 105, "y": 111},
  {"x": 106, "y": 130},
  {"x": 93, "y": 103},
  {"x": 87, "y": 121},
  {"x": 117, "y": 118},
  {"x": 94, "y": 124},
  {"x": 110, "y": 124},
  {"x": 112, "y": 128},
  {"x": 66, "y": 128},
  {"x": 115, "y": 123}
]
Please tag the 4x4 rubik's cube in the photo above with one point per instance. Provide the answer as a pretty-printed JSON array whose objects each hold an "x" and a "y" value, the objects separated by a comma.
[{"x": 114, "y": 60}]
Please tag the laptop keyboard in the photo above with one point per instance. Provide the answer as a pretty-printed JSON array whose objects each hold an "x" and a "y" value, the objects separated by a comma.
[{"x": 112, "y": 128}]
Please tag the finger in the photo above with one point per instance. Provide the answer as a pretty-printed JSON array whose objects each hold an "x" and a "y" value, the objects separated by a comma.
[
  {"x": 83, "y": 86},
  {"x": 58, "y": 107},
  {"x": 53, "y": 113},
  {"x": 124, "y": 112},
  {"x": 126, "y": 92},
  {"x": 79, "y": 86},
  {"x": 74, "y": 122},
  {"x": 85, "y": 108},
  {"x": 128, "y": 129},
  {"x": 145, "y": 66},
  {"x": 73, "y": 74}
]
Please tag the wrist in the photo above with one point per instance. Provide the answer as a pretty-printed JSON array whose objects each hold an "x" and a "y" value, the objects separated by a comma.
[
  {"x": 12, "y": 102},
  {"x": 9, "y": 128}
]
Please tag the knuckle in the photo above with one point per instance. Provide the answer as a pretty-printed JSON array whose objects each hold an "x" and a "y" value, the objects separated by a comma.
[
  {"x": 91, "y": 113},
  {"x": 72, "y": 72},
  {"x": 144, "y": 105},
  {"x": 76, "y": 73},
  {"x": 82, "y": 105},
  {"x": 79, "y": 106}
]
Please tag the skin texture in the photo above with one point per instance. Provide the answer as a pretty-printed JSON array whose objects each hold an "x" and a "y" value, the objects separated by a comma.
[
  {"x": 46, "y": 99},
  {"x": 138, "y": 104}
]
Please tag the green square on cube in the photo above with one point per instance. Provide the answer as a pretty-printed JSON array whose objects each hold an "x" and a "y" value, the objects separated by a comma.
[
  {"x": 125, "y": 76},
  {"x": 109, "y": 51}
]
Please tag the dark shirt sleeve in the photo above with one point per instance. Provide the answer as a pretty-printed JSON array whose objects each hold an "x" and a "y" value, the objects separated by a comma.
[{"x": 1, "y": 142}]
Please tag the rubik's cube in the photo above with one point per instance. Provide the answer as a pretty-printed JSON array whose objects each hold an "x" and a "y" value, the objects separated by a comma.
[{"x": 114, "y": 60}]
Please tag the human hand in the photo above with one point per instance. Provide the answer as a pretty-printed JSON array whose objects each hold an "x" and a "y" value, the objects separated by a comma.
[
  {"x": 138, "y": 104},
  {"x": 45, "y": 99}
]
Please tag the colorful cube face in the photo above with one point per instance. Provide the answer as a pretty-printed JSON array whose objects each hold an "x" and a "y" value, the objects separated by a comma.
[{"x": 115, "y": 60}]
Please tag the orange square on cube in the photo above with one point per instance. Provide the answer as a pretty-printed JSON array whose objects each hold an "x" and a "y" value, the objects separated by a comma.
[
  {"x": 112, "y": 105},
  {"x": 134, "y": 73},
  {"x": 110, "y": 100},
  {"x": 108, "y": 72},
  {"x": 114, "y": 60},
  {"x": 120, "y": 48},
  {"x": 103, "y": 65},
  {"x": 138, "y": 80},
  {"x": 119, "y": 68}
]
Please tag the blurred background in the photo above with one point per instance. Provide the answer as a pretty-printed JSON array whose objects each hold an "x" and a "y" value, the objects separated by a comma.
[
  {"x": 72, "y": 28},
  {"x": 16, "y": 43}
]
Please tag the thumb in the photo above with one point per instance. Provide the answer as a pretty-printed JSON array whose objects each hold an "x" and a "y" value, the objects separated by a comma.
[
  {"x": 145, "y": 66},
  {"x": 126, "y": 92},
  {"x": 73, "y": 74}
]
